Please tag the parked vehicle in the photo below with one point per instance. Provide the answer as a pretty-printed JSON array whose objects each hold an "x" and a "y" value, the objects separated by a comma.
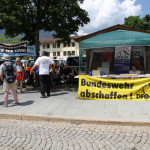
[
  {"x": 30, "y": 64},
  {"x": 1, "y": 61},
  {"x": 74, "y": 61},
  {"x": 29, "y": 79},
  {"x": 24, "y": 63},
  {"x": 57, "y": 61}
]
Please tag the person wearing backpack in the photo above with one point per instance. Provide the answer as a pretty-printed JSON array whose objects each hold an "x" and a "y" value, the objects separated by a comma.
[
  {"x": 20, "y": 73},
  {"x": 7, "y": 75}
]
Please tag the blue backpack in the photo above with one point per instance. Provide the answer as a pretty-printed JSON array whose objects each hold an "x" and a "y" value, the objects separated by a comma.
[{"x": 9, "y": 73}]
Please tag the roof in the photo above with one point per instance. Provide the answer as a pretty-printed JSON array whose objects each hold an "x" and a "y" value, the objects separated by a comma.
[
  {"x": 75, "y": 37},
  {"x": 113, "y": 28},
  {"x": 49, "y": 40},
  {"x": 53, "y": 40}
]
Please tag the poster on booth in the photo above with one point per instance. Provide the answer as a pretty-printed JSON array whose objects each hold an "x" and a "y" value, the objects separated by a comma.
[
  {"x": 94, "y": 88},
  {"x": 122, "y": 60}
]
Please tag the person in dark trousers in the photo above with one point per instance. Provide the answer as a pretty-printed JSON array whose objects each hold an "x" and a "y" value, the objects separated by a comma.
[
  {"x": 43, "y": 63},
  {"x": 66, "y": 74},
  {"x": 75, "y": 72}
]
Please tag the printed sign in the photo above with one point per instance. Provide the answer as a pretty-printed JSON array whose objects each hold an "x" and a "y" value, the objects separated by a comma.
[
  {"x": 13, "y": 48},
  {"x": 94, "y": 88},
  {"x": 30, "y": 52},
  {"x": 122, "y": 52},
  {"x": 122, "y": 60}
]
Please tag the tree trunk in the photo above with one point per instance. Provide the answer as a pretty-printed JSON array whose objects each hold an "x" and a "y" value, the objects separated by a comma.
[{"x": 37, "y": 43}]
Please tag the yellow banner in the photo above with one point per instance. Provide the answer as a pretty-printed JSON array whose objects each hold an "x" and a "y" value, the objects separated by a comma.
[{"x": 95, "y": 88}]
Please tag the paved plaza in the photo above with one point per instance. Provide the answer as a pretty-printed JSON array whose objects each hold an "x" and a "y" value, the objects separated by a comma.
[
  {"x": 41, "y": 135},
  {"x": 64, "y": 105},
  {"x": 64, "y": 122}
]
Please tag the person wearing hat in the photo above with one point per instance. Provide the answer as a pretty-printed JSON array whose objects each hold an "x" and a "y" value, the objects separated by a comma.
[
  {"x": 20, "y": 73},
  {"x": 43, "y": 63},
  {"x": 7, "y": 86}
]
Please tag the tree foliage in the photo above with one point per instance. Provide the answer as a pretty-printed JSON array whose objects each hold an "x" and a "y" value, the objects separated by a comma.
[
  {"x": 146, "y": 20},
  {"x": 28, "y": 17},
  {"x": 137, "y": 22},
  {"x": 9, "y": 40}
]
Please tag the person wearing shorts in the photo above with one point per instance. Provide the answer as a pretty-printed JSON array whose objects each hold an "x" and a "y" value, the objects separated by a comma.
[{"x": 8, "y": 86}]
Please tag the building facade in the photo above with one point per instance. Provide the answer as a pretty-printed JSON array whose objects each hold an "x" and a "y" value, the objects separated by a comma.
[{"x": 58, "y": 49}]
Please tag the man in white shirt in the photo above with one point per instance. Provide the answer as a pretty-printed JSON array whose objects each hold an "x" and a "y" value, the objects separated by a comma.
[
  {"x": 134, "y": 71},
  {"x": 43, "y": 63}
]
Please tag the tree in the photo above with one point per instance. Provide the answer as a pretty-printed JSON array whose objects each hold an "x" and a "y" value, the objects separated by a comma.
[
  {"x": 146, "y": 20},
  {"x": 137, "y": 22},
  {"x": 134, "y": 21},
  {"x": 9, "y": 40},
  {"x": 28, "y": 17}
]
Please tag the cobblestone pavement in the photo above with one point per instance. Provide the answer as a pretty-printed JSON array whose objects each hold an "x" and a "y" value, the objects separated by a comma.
[{"x": 40, "y": 135}]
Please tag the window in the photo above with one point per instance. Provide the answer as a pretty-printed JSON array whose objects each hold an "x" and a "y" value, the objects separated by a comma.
[
  {"x": 58, "y": 45},
  {"x": 69, "y": 53},
  {"x": 64, "y": 53},
  {"x": 54, "y": 53},
  {"x": 137, "y": 58},
  {"x": 69, "y": 45},
  {"x": 58, "y": 53},
  {"x": 72, "y": 61},
  {"x": 54, "y": 45},
  {"x": 47, "y": 45},
  {"x": 84, "y": 53},
  {"x": 65, "y": 45},
  {"x": 73, "y": 52},
  {"x": 44, "y": 46},
  {"x": 30, "y": 63},
  {"x": 73, "y": 44}
]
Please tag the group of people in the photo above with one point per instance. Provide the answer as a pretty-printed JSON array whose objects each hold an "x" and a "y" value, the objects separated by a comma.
[
  {"x": 44, "y": 64},
  {"x": 62, "y": 73},
  {"x": 11, "y": 74}
]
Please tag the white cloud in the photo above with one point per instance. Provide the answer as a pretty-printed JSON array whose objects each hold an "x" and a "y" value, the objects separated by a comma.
[{"x": 106, "y": 13}]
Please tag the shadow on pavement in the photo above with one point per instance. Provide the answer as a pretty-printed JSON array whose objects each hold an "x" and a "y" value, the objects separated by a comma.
[
  {"x": 33, "y": 91},
  {"x": 56, "y": 88},
  {"x": 65, "y": 87},
  {"x": 26, "y": 103},
  {"x": 1, "y": 93},
  {"x": 62, "y": 93},
  {"x": 30, "y": 102},
  {"x": 1, "y": 103}
]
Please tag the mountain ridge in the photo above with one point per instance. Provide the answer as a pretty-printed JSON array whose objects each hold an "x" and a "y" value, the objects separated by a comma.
[{"x": 43, "y": 34}]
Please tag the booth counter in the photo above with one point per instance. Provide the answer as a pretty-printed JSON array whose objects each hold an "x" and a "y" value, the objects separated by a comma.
[{"x": 124, "y": 76}]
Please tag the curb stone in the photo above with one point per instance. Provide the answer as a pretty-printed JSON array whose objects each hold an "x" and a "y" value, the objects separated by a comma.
[{"x": 76, "y": 120}]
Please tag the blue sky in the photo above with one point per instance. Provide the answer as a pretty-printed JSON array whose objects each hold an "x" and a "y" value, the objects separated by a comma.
[
  {"x": 106, "y": 13},
  {"x": 145, "y": 6}
]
